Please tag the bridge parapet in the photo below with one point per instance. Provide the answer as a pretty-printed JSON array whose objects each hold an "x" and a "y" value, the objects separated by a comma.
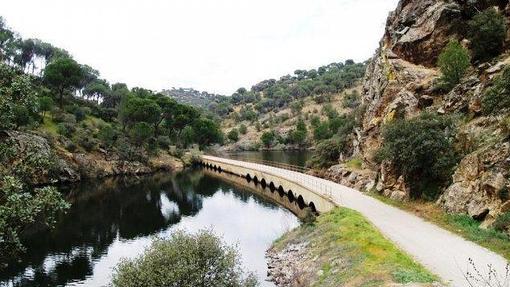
[{"x": 301, "y": 189}]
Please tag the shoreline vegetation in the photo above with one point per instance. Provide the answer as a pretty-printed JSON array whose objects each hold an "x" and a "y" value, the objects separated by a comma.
[{"x": 341, "y": 248}]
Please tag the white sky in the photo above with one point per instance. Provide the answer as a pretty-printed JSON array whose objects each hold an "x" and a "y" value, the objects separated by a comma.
[{"x": 216, "y": 46}]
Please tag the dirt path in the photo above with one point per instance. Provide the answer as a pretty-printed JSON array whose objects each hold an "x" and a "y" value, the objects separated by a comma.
[{"x": 442, "y": 252}]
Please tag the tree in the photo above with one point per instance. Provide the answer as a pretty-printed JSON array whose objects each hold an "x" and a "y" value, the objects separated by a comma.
[
  {"x": 20, "y": 208},
  {"x": 421, "y": 150},
  {"x": 327, "y": 152},
  {"x": 453, "y": 62},
  {"x": 18, "y": 99},
  {"x": 140, "y": 133},
  {"x": 233, "y": 135},
  {"x": 322, "y": 132},
  {"x": 45, "y": 105},
  {"x": 97, "y": 90},
  {"x": 184, "y": 260},
  {"x": 268, "y": 138},
  {"x": 63, "y": 74},
  {"x": 487, "y": 33},
  {"x": 207, "y": 132},
  {"x": 298, "y": 136}
]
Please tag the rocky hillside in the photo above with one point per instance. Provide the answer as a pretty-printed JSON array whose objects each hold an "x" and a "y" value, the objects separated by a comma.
[{"x": 401, "y": 82}]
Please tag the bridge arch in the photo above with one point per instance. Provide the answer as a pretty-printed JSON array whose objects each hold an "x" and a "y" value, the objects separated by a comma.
[
  {"x": 272, "y": 187},
  {"x": 255, "y": 180},
  {"x": 291, "y": 196},
  {"x": 248, "y": 177},
  {"x": 281, "y": 191},
  {"x": 312, "y": 206},
  {"x": 301, "y": 202},
  {"x": 263, "y": 183}
]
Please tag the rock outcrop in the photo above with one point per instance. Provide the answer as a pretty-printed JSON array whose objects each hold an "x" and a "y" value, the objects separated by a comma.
[
  {"x": 34, "y": 150},
  {"x": 400, "y": 82}
]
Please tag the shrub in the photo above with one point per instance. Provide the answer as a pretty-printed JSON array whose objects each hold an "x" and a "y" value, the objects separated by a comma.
[
  {"x": 129, "y": 152},
  {"x": 421, "y": 150},
  {"x": 487, "y": 33},
  {"x": 184, "y": 260},
  {"x": 80, "y": 114},
  {"x": 87, "y": 142},
  {"x": 107, "y": 135},
  {"x": 327, "y": 152},
  {"x": 502, "y": 223},
  {"x": 233, "y": 135},
  {"x": 342, "y": 125},
  {"x": 351, "y": 100},
  {"x": 497, "y": 97},
  {"x": 243, "y": 129},
  {"x": 46, "y": 104},
  {"x": 66, "y": 129},
  {"x": 453, "y": 62},
  {"x": 164, "y": 142}
]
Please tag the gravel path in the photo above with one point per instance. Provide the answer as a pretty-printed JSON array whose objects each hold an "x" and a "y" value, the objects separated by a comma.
[{"x": 442, "y": 252}]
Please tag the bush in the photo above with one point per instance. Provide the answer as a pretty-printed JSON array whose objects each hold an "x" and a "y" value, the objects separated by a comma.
[
  {"x": 502, "y": 223},
  {"x": 328, "y": 152},
  {"x": 66, "y": 129},
  {"x": 80, "y": 114},
  {"x": 184, "y": 260},
  {"x": 351, "y": 100},
  {"x": 453, "y": 62},
  {"x": 107, "y": 135},
  {"x": 164, "y": 142},
  {"x": 487, "y": 33},
  {"x": 46, "y": 104},
  {"x": 129, "y": 152},
  {"x": 497, "y": 97},
  {"x": 87, "y": 142},
  {"x": 421, "y": 150},
  {"x": 243, "y": 129},
  {"x": 233, "y": 135}
]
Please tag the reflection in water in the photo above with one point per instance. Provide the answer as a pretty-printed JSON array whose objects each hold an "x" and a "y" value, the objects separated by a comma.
[{"x": 116, "y": 218}]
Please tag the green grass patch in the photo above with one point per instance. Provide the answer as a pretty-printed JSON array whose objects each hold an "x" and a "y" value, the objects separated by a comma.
[
  {"x": 48, "y": 125},
  {"x": 354, "y": 163},
  {"x": 351, "y": 251},
  {"x": 461, "y": 224}
]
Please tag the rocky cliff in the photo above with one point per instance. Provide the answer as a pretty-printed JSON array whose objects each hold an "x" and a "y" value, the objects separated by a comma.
[
  {"x": 400, "y": 82},
  {"x": 46, "y": 162}
]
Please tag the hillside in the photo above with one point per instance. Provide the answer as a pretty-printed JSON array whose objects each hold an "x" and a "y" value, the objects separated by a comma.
[
  {"x": 295, "y": 112},
  {"x": 428, "y": 133}
]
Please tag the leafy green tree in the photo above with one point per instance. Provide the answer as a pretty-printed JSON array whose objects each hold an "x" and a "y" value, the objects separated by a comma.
[
  {"x": 46, "y": 104},
  {"x": 63, "y": 75},
  {"x": 421, "y": 150},
  {"x": 267, "y": 138},
  {"x": 107, "y": 135},
  {"x": 20, "y": 208},
  {"x": 487, "y": 33},
  {"x": 140, "y": 133},
  {"x": 322, "y": 132},
  {"x": 243, "y": 129},
  {"x": 497, "y": 97},
  {"x": 187, "y": 136},
  {"x": 184, "y": 260},
  {"x": 233, "y": 135},
  {"x": 207, "y": 132},
  {"x": 18, "y": 99},
  {"x": 453, "y": 62},
  {"x": 298, "y": 136},
  {"x": 97, "y": 90}
]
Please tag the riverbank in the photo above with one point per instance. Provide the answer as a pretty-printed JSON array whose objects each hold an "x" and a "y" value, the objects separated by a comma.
[
  {"x": 341, "y": 248},
  {"x": 44, "y": 160}
]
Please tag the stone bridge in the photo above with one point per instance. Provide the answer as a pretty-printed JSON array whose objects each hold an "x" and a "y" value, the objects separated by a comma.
[
  {"x": 298, "y": 189},
  {"x": 442, "y": 252}
]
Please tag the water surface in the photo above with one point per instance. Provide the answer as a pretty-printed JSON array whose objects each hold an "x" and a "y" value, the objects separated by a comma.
[{"x": 118, "y": 217}]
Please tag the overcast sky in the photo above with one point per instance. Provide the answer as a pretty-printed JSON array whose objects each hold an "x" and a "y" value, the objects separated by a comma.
[{"x": 212, "y": 45}]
